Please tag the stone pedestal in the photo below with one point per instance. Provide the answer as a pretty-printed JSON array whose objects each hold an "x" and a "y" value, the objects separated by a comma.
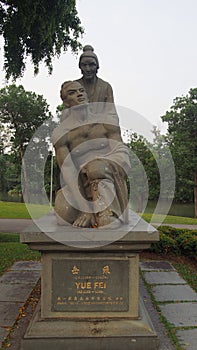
[{"x": 90, "y": 297}]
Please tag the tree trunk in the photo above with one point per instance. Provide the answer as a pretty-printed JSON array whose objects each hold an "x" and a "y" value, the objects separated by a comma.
[
  {"x": 25, "y": 183},
  {"x": 195, "y": 193}
]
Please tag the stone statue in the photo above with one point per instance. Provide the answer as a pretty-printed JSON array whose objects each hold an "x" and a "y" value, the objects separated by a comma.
[
  {"x": 93, "y": 161},
  {"x": 97, "y": 89}
]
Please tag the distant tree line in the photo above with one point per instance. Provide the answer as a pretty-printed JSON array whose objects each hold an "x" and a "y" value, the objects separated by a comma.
[
  {"x": 181, "y": 139},
  {"x": 21, "y": 114}
]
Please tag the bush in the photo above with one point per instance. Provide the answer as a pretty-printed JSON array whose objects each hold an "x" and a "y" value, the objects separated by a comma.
[
  {"x": 187, "y": 242},
  {"x": 171, "y": 231},
  {"x": 165, "y": 245},
  {"x": 176, "y": 241}
]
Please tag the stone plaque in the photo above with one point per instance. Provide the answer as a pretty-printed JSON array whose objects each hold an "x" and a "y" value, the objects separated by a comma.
[{"x": 90, "y": 285}]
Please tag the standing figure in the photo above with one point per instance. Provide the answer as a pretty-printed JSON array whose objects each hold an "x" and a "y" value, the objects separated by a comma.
[{"x": 97, "y": 89}]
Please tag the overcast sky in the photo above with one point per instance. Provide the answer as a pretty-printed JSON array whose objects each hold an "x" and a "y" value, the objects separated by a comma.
[{"x": 146, "y": 49}]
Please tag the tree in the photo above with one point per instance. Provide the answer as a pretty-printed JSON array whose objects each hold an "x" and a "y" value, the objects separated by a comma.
[
  {"x": 5, "y": 144},
  {"x": 40, "y": 29},
  {"x": 24, "y": 112},
  {"x": 144, "y": 172},
  {"x": 5, "y": 135},
  {"x": 182, "y": 131}
]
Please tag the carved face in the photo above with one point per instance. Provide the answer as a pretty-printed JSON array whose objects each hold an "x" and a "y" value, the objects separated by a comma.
[
  {"x": 88, "y": 67},
  {"x": 73, "y": 94}
]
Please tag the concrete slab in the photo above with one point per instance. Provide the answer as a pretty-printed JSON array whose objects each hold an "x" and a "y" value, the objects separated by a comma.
[
  {"x": 155, "y": 265},
  {"x": 11, "y": 292},
  {"x": 20, "y": 277},
  {"x": 8, "y": 313},
  {"x": 180, "y": 314},
  {"x": 164, "y": 277},
  {"x": 188, "y": 338},
  {"x": 26, "y": 265},
  {"x": 174, "y": 293}
]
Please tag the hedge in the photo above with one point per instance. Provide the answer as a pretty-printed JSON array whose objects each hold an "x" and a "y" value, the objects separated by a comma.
[{"x": 176, "y": 241}]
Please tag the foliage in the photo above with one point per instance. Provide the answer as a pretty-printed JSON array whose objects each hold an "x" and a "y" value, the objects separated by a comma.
[
  {"x": 5, "y": 135},
  {"x": 40, "y": 29},
  {"x": 152, "y": 175},
  {"x": 172, "y": 231},
  {"x": 47, "y": 174},
  {"x": 165, "y": 245},
  {"x": 187, "y": 243},
  {"x": 24, "y": 112},
  {"x": 9, "y": 174},
  {"x": 182, "y": 138},
  {"x": 182, "y": 242},
  {"x": 144, "y": 172}
]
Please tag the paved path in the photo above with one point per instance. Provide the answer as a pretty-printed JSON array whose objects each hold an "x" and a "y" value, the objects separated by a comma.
[
  {"x": 15, "y": 288},
  {"x": 176, "y": 300},
  {"x": 18, "y": 225},
  {"x": 14, "y": 225}
]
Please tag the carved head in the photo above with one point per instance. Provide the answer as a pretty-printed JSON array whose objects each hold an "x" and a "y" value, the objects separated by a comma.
[
  {"x": 73, "y": 93},
  {"x": 88, "y": 62}
]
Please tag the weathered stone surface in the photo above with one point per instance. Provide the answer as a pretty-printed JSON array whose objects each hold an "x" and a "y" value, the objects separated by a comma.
[
  {"x": 180, "y": 314},
  {"x": 174, "y": 293},
  {"x": 155, "y": 265},
  {"x": 164, "y": 277},
  {"x": 17, "y": 292},
  {"x": 188, "y": 338},
  {"x": 26, "y": 265},
  {"x": 137, "y": 235},
  {"x": 20, "y": 277},
  {"x": 8, "y": 313}
]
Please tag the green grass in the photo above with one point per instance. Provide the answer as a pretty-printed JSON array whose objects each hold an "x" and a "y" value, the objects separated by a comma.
[
  {"x": 11, "y": 250},
  {"x": 13, "y": 210},
  {"x": 187, "y": 274},
  {"x": 9, "y": 237},
  {"x": 170, "y": 219}
]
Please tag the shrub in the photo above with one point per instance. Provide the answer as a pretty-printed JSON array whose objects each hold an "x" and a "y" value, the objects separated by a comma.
[
  {"x": 187, "y": 243},
  {"x": 171, "y": 231},
  {"x": 165, "y": 245},
  {"x": 176, "y": 241}
]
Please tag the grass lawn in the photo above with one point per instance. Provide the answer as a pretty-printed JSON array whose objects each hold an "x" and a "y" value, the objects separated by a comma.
[
  {"x": 13, "y": 210},
  {"x": 170, "y": 219},
  {"x": 11, "y": 250}
]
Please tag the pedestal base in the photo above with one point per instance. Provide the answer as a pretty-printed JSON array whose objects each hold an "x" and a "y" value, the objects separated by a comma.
[
  {"x": 103, "y": 334},
  {"x": 90, "y": 289}
]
